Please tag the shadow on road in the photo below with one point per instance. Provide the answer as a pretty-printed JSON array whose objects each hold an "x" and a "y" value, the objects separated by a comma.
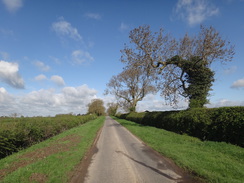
[
  {"x": 114, "y": 125},
  {"x": 149, "y": 167}
]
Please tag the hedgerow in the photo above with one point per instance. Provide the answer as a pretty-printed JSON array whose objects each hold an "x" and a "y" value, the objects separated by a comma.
[
  {"x": 216, "y": 124},
  {"x": 19, "y": 133}
]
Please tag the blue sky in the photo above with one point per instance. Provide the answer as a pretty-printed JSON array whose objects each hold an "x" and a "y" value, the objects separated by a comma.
[{"x": 57, "y": 55}]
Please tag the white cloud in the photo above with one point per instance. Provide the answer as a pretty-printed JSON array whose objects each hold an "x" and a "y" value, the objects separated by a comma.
[
  {"x": 80, "y": 56},
  {"x": 155, "y": 103},
  {"x": 64, "y": 28},
  {"x": 40, "y": 98},
  {"x": 124, "y": 27},
  {"x": 76, "y": 95},
  {"x": 9, "y": 74},
  {"x": 6, "y": 100},
  {"x": 224, "y": 103},
  {"x": 40, "y": 77},
  {"x": 42, "y": 66},
  {"x": 5, "y": 97},
  {"x": 238, "y": 84},
  {"x": 150, "y": 102},
  {"x": 95, "y": 16},
  {"x": 58, "y": 80},
  {"x": 195, "y": 11},
  {"x": 46, "y": 102},
  {"x": 49, "y": 102},
  {"x": 13, "y": 5}
]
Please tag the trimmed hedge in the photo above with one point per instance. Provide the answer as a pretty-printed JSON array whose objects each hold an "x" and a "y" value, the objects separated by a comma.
[
  {"x": 19, "y": 133},
  {"x": 216, "y": 124}
]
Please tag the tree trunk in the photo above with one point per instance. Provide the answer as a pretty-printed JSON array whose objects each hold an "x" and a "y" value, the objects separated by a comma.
[{"x": 133, "y": 106}]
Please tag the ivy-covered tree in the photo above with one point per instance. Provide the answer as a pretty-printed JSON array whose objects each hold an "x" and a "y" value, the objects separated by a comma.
[{"x": 182, "y": 67}]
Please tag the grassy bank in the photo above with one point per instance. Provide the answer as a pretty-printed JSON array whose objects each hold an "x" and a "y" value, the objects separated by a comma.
[
  {"x": 51, "y": 160},
  {"x": 223, "y": 124},
  {"x": 212, "y": 161}
]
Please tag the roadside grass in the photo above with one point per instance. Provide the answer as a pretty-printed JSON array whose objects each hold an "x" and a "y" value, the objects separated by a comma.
[
  {"x": 214, "y": 162},
  {"x": 52, "y": 160}
]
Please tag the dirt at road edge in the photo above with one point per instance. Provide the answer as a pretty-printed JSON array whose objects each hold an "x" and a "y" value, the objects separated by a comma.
[{"x": 78, "y": 175}]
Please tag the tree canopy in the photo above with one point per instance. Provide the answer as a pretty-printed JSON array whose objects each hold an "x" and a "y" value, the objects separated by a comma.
[
  {"x": 179, "y": 67},
  {"x": 129, "y": 87},
  {"x": 96, "y": 107}
]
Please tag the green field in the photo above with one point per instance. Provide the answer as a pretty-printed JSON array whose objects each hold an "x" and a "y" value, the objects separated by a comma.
[
  {"x": 216, "y": 162},
  {"x": 52, "y": 160}
]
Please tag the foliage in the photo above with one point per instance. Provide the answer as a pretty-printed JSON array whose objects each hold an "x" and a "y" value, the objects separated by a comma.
[
  {"x": 214, "y": 162},
  {"x": 198, "y": 78},
  {"x": 181, "y": 67},
  {"x": 130, "y": 86},
  {"x": 217, "y": 124},
  {"x": 19, "y": 133},
  {"x": 96, "y": 107},
  {"x": 112, "y": 109}
]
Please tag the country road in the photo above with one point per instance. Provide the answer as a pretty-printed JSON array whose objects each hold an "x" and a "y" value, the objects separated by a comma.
[{"x": 122, "y": 158}]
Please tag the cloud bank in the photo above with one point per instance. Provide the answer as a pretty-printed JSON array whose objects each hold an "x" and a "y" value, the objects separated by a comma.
[
  {"x": 46, "y": 102},
  {"x": 9, "y": 74}
]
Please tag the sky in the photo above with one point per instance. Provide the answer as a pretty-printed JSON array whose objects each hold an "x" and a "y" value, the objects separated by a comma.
[{"x": 58, "y": 55}]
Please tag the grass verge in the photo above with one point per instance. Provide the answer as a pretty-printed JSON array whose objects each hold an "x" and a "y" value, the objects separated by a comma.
[
  {"x": 212, "y": 161},
  {"x": 51, "y": 160}
]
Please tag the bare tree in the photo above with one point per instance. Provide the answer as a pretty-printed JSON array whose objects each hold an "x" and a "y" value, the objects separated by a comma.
[
  {"x": 96, "y": 107},
  {"x": 129, "y": 87},
  {"x": 182, "y": 66}
]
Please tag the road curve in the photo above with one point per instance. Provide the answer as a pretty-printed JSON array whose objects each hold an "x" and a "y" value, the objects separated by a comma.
[{"x": 122, "y": 158}]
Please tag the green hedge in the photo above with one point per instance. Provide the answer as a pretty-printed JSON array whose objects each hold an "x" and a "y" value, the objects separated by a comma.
[
  {"x": 216, "y": 124},
  {"x": 19, "y": 133}
]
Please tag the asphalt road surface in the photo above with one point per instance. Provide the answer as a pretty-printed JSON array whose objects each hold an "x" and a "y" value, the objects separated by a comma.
[{"x": 123, "y": 158}]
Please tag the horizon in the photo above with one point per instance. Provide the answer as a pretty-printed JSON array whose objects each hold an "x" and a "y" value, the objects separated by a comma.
[{"x": 56, "y": 56}]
